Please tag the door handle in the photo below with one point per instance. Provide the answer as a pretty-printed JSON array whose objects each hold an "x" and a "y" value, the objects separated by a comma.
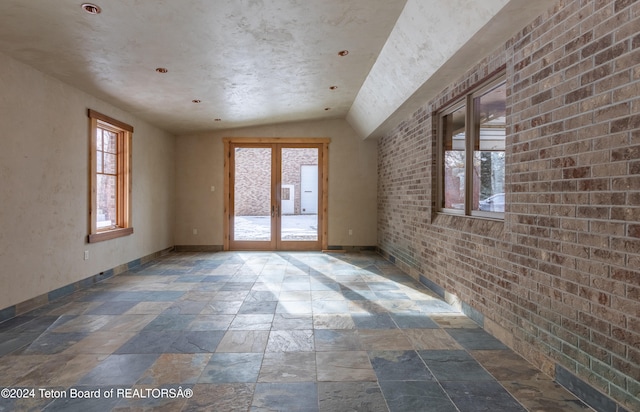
[{"x": 273, "y": 211}]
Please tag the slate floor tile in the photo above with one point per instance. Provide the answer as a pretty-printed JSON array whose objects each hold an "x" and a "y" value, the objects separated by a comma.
[
  {"x": 476, "y": 339},
  {"x": 383, "y": 286},
  {"x": 258, "y": 307},
  {"x": 292, "y": 321},
  {"x": 148, "y": 342},
  {"x": 294, "y": 295},
  {"x": 368, "y": 306},
  {"x": 300, "y": 397},
  {"x": 232, "y": 368},
  {"x": 170, "y": 321},
  {"x": 506, "y": 365},
  {"x": 262, "y": 295},
  {"x": 176, "y": 368},
  {"x": 288, "y": 367},
  {"x": 244, "y": 341},
  {"x": 481, "y": 396},
  {"x": 128, "y": 323},
  {"x": 384, "y": 339},
  {"x": 333, "y": 321},
  {"x": 10, "y": 342},
  {"x": 290, "y": 341},
  {"x": 399, "y": 366},
  {"x": 111, "y": 308},
  {"x": 294, "y": 307},
  {"x": 358, "y": 295},
  {"x": 59, "y": 371},
  {"x": 331, "y": 340},
  {"x": 350, "y": 396},
  {"x": 373, "y": 321},
  {"x": 454, "y": 365},
  {"x": 430, "y": 339},
  {"x": 52, "y": 343},
  {"x": 220, "y": 397},
  {"x": 196, "y": 342},
  {"x": 453, "y": 321},
  {"x": 344, "y": 366},
  {"x": 17, "y": 323},
  {"x": 259, "y": 331},
  {"x": 191, "y": 307},
  {"x": 14, "y": 367},
  {"x": 148, "y": 308},
  {"x": 403, "y": 396},
  {"x": 222, "y": 307},
  {"x": 413, "y": 321},
  {"x": 80, "y": 323},
  {"x": 252, "y": 322},
  {"x": 211, "y": 322},
  {"x": 117, "y": 369},
  {"x": 100, "y": 343},
  {"x": 544, "y": 395},
  {"x": 234, "y": 295}
]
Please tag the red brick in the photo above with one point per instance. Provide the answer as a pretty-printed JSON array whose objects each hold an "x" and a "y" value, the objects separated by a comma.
[
  {"x": 596, "y": 46},
  {"x": 611, "y": 53},
  {"x": 579, "y": 94},
  {"x": 621, "y": 4},
  {"x": 561, "y": 272}
]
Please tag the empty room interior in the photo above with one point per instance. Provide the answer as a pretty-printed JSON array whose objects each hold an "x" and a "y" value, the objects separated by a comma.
[{"x": 367, "y": 205}]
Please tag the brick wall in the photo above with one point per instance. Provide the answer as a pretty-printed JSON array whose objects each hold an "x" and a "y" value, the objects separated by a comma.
[
  {"x": 253, "y": 178},
  {"x": 559, "y": 279}
]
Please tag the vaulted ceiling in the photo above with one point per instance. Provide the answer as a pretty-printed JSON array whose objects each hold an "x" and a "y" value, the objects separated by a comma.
[{"x": 236, "y": 63}]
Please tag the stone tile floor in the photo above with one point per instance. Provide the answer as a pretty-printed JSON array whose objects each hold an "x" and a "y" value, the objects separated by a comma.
[{"x": 263, "y": 332}]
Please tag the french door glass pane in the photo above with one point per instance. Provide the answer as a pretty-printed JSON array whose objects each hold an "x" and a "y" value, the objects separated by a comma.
[
  {"x": 299, "y": 194},
  {"x": 252, "y": 191}
]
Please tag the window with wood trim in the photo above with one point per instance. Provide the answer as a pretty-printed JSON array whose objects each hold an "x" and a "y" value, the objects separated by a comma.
[
  {"x": 472, "y": 133},
  {"x": 110, "y": 214}
]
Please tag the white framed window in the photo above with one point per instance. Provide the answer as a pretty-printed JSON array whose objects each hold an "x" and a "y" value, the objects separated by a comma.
[
  {"x": 471, "y": 155},
  {"x": 110, "y": 159}
]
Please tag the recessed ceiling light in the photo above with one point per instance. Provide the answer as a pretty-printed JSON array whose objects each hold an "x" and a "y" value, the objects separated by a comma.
[
  {"x": 91, "y": 8},
  {"x": 333, "y": 87},
  {"x": 161, "y": 70},
  {"x": 343, "y": 53},
  {"x": 196, "y": 101}
]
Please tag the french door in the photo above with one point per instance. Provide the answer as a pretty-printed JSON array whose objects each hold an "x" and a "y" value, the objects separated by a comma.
[{"x": 276, "y": 194}]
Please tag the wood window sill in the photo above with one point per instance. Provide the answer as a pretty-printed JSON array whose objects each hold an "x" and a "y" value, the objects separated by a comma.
[{"x": 110, "y": 234}]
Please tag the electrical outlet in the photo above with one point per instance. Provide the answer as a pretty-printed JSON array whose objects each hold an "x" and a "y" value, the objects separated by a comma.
[
  {"x": 86, "y": 255},
  {"x": 195, "y": 231},
  {"x": 350, "y": 232},
  {"x": 213, "y": 188}
]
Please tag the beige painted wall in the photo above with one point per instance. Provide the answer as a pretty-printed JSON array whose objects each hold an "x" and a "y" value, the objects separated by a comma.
[
  {"x": 352, "y": 182},
  {"x": 44, "y": 186}
]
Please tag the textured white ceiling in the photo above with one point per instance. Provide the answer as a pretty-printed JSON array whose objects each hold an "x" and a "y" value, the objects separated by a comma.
[{"x": 250, "y": 62}]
